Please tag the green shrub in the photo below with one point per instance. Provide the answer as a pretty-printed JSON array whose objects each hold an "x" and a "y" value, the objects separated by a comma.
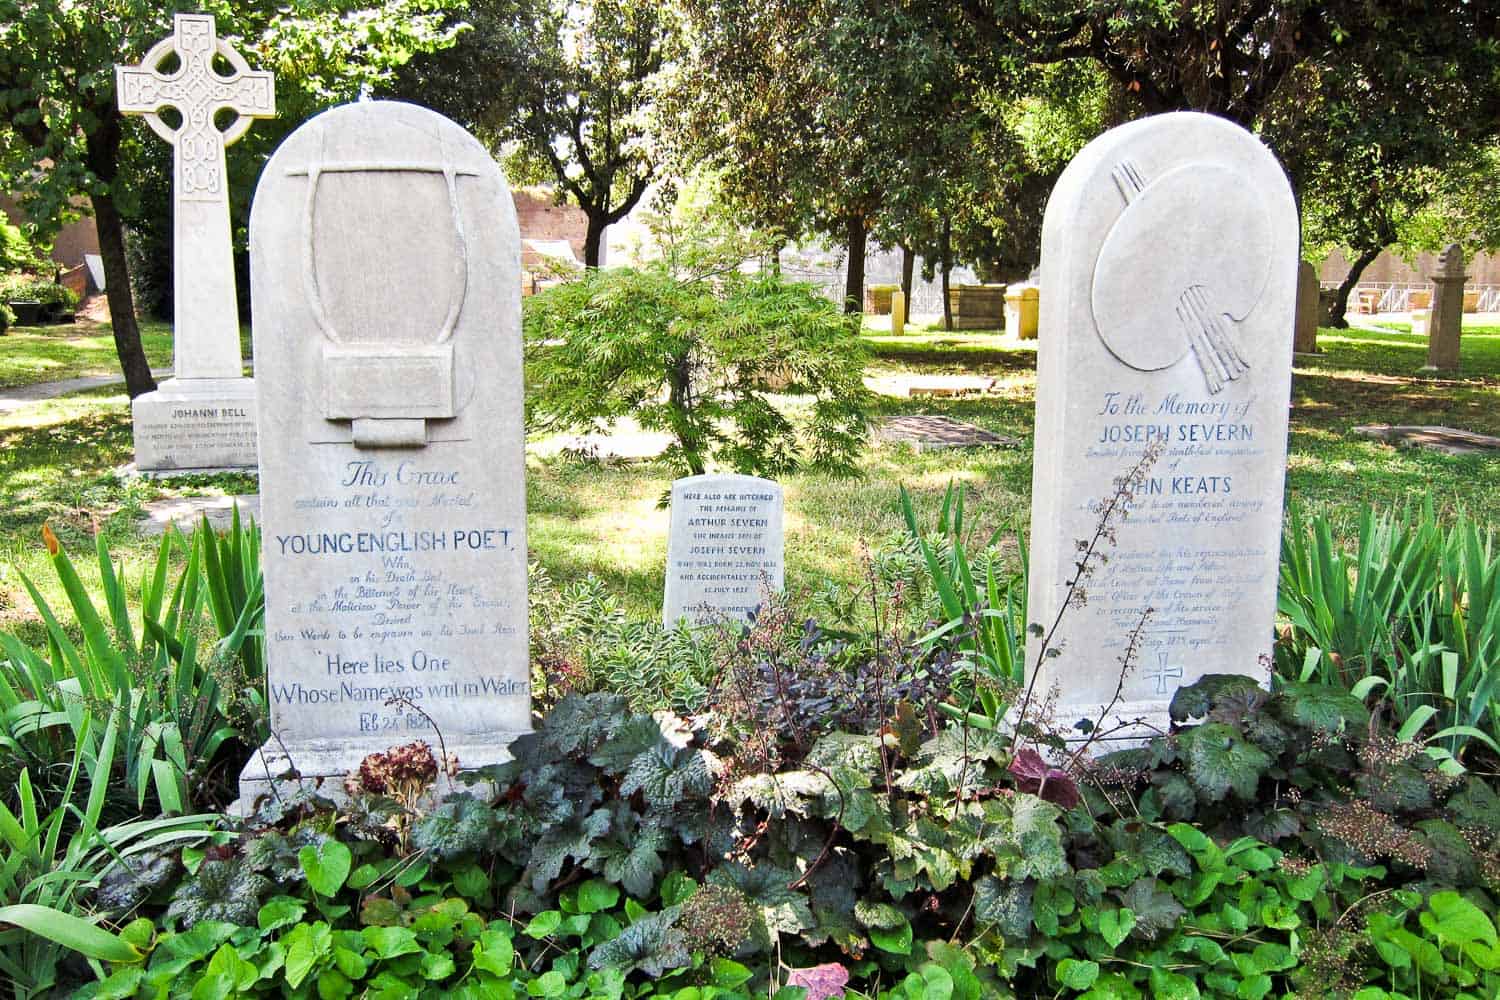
[
  {"x": 21, "y": 288},
  {"x": 57, "y": 851},
  {"x": 983, "y": 609},
  {"x": 1281, "y": 844},
  {"x": 17, "y": 253},
  {"x": 692, "y": 347},
  {"x": 582, "y": 641}
]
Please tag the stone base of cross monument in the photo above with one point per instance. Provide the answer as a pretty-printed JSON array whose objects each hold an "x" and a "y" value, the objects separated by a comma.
[
  {"x": 191, "y": 426},
  {"x": 277, "y": 770}
]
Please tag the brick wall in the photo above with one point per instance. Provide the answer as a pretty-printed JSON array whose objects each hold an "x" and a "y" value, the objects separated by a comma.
[
  {"x": 541, "y": 218},
  {"x": 1484, "y": 269},
  {"x": 75, "y": 239}
]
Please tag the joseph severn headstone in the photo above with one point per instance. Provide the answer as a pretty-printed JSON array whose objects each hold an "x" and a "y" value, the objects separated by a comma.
[
  {"x": 1169, "y": 260},
  {"x": 724, "y": 548},
  {"x": 204, "y": 417},
  {"x": 385, "y": 265}
]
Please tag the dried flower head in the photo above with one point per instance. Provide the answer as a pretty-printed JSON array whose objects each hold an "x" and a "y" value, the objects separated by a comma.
[
  {"x": 402, "y": 772},
  {"x": 716, "y": 919},
  {"x": 1372, "y": 833}
]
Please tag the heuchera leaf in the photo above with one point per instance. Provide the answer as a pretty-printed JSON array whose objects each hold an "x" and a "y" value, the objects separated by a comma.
[
  {"x": 1155, "y": 911},
  {"x": 1005, "y": 905},
  {"x": 1195, "y": 700},
  {"x": 1035, "y": 775},
  {"x": 1220, "y": 760},
  {"x": 821, "y": 981},
  {"x": 1318, "y": 706}
]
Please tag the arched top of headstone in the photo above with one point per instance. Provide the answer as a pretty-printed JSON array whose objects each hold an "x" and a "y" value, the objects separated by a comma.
[
  {"x": 388, "y": 208},
  {"x": 1184, "y": 215},
  {"x": 385, "y": 271}
]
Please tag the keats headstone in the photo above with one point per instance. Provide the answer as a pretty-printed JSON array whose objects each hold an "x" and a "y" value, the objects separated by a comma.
[
  {"x": 1169, "y": 259},
  {"x": 204, "y": 417},
  {"x": 724, "y": 548},
  {"x": 385, "y": 264},
  {"x": 1445, "y": 327}
]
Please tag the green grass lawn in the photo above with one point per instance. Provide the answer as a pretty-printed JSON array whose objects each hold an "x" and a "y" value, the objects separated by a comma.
[
  {"x": 30, "y": 354},
  {"x": 1403, "y": 353},
  {"x": 57, "y": 461}
]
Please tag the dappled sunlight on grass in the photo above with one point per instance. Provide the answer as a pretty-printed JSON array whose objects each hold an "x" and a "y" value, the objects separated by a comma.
[
  {"x": 52, "y": 353},
  {"x": 938, "y": 479}
]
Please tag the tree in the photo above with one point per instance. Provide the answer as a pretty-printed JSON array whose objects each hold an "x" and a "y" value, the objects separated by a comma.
[
  {"x": 63, "y": 138},
  {"x": 693, "y": 346},
  {"x": 824, "y": 117},
  {"x": 1465, "y": 208},
  {"x": 1373, "y": 142},
  {"x": 480, "y": 80},
  {"x": 1343, "y": 91},
  {"x": 1228, "y": 58},
  {"x": 589, "y": 78},
  {"x": 984, "y": 200}
]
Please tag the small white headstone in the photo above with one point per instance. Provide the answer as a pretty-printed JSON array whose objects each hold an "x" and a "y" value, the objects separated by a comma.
[
  {"x": 385, "y": 265},
  {"x": 1169, "y": 266},
  {"x": 204, "y": 417},
  {"x": 725, "y": 547}
]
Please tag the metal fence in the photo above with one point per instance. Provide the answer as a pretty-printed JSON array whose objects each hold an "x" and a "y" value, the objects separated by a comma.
[{"x": 1396, "y": 297}]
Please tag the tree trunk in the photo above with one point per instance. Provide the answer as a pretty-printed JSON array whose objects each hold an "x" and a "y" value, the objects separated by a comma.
[
  {"x": 908, "y": 264},
  {"x": 854, "y": 285},
  {"x": 593, "y": 240},
  {"x": 681, "y": 407},
  {"x": 102, "y": 154},
  {"x": 947, "y": 267},
  {"x": 127, "y": 333},
  {"x": 1341, "y": 300}
]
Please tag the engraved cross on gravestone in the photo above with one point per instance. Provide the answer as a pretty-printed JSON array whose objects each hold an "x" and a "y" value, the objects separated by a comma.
[
  {"x": 1165, "y": 671},
  {"x": 204, "y": 417}
]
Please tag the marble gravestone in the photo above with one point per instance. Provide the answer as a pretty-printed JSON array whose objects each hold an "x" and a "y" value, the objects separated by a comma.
[
  {"x": 204, "y": 417},
  {"x": 1169, "y": 263},
  {"x": 1305, "y": 337},
  {"x": 724, "y": 548},
  {"x": 385, "y": 264},
  {"x": 1445, "y": 325}
]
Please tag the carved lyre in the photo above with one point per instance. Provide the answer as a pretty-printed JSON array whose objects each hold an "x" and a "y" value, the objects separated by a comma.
[{"x": 422, "y": 370}]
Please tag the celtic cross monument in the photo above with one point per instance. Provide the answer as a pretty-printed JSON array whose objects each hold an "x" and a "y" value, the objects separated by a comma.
[{"x": 204, "y": 417}]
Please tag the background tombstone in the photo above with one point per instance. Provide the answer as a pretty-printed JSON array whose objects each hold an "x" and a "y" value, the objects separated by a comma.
[
  {"x": 203, "y": 417},
  {"x": 1169, "y": 256},
  {"x": 1445, "y": 324},
  {"x": 385, "y": 265},
  {"x": 724, "y": 546},
  {"x": 1305, "y": 338}
]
